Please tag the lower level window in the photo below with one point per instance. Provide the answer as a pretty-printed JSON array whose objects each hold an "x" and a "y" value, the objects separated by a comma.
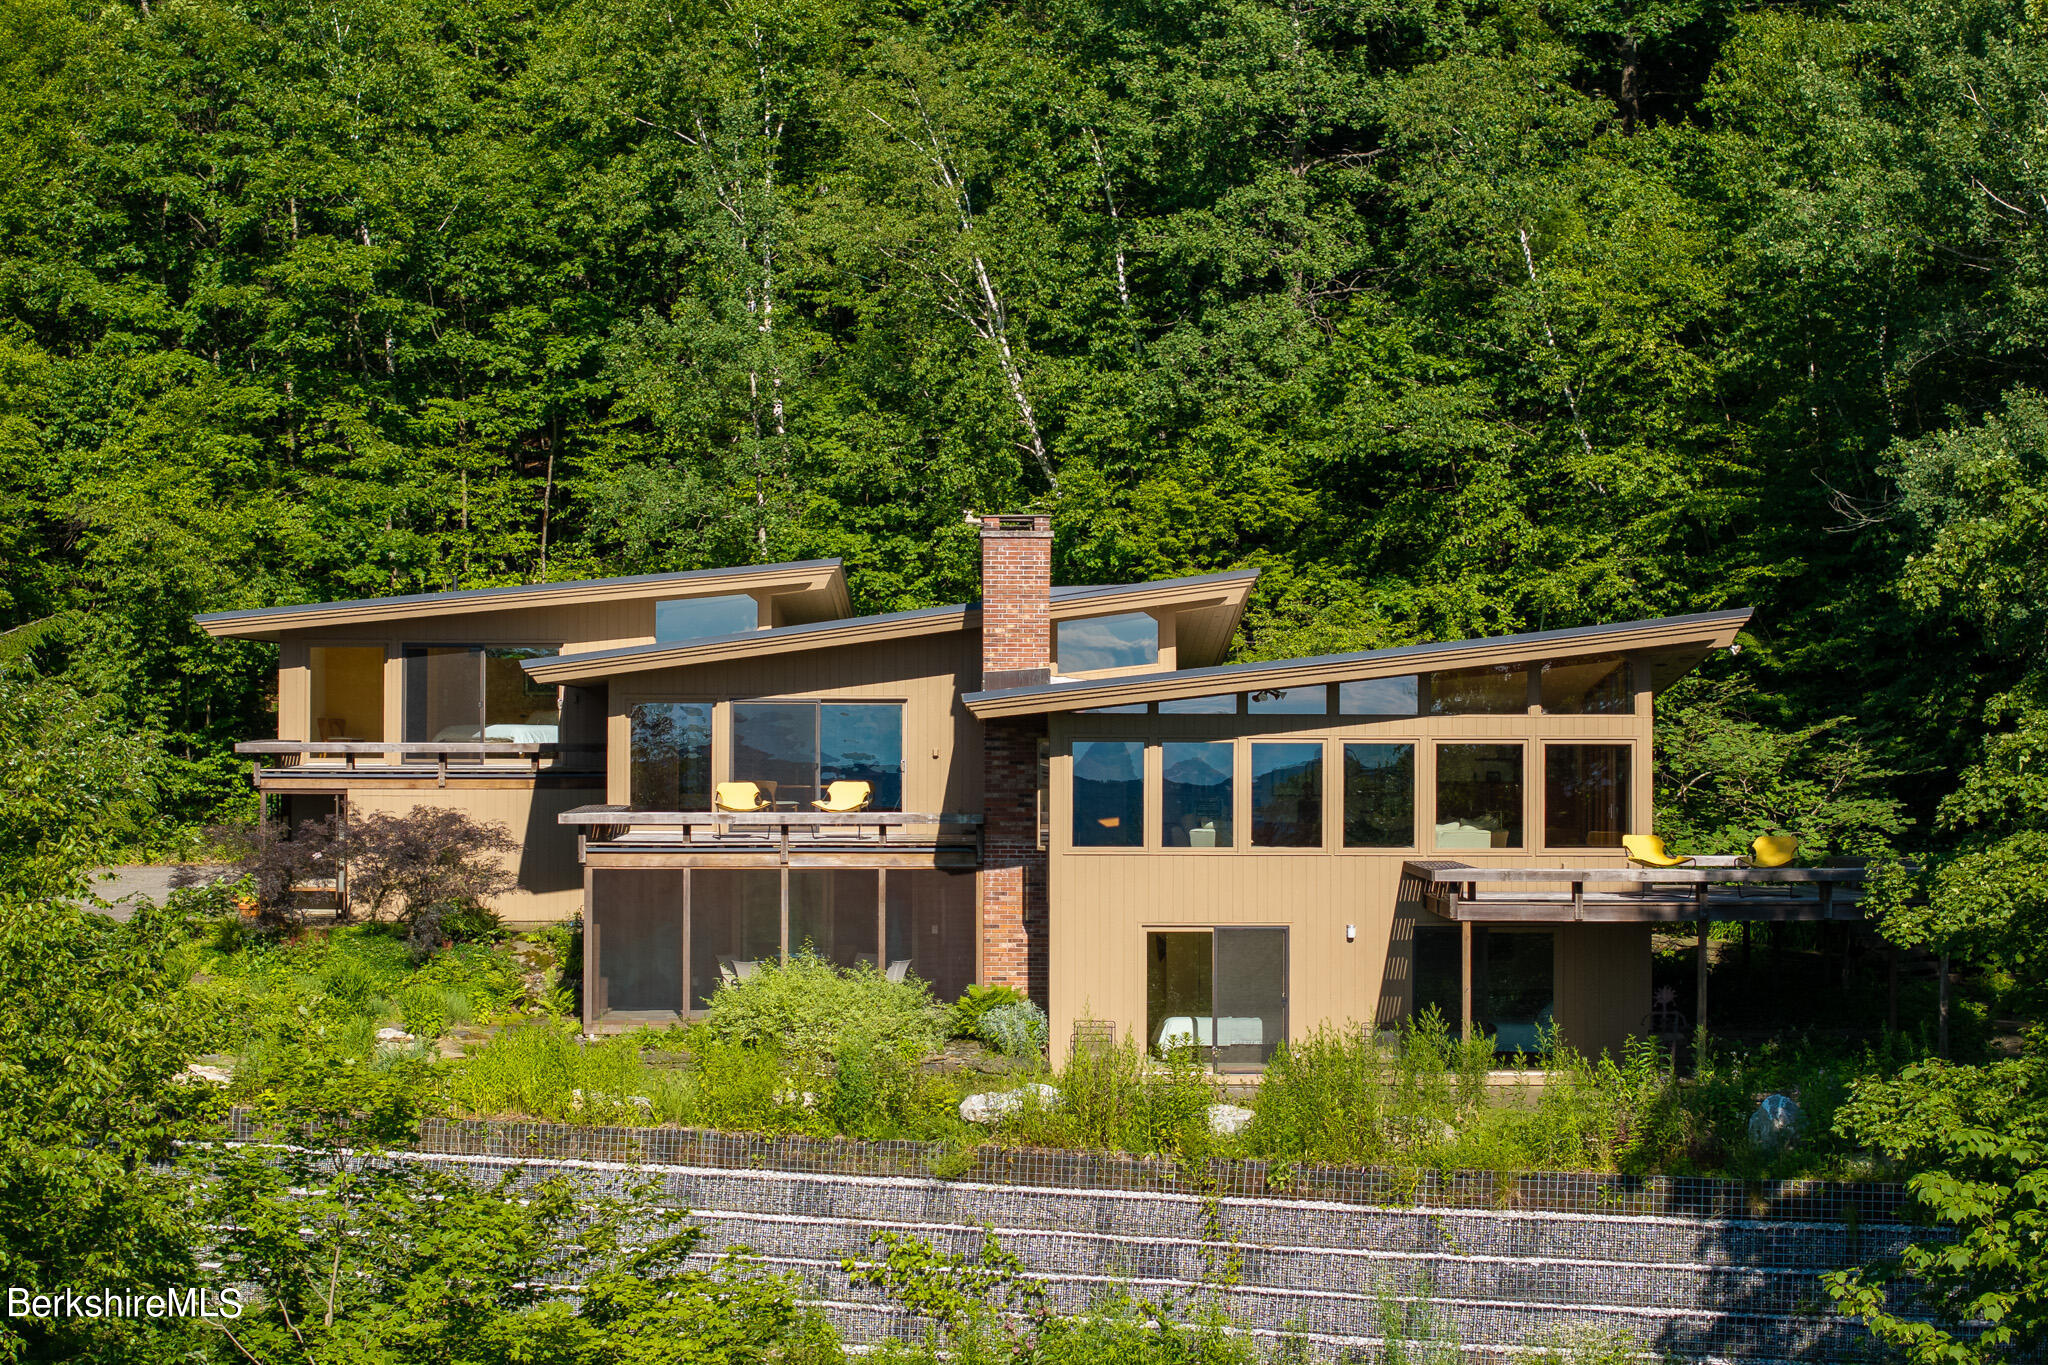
[
  {"x": 1514, "y": 983},
  {"x": 1220, "y": 992}
]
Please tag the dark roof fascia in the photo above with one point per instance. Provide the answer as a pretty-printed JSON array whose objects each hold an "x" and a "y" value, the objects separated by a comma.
[
  {"x": 681, "y": 576},
  {"x": 1573, "y": 635}
]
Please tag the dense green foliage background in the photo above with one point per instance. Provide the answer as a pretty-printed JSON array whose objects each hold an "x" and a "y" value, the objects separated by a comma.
[{"x": 1454, "y": 317}]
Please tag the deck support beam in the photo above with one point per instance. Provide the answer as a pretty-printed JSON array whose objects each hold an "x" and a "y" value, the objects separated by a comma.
[
  {"x": 1465, "y": 984},
  {"x": 1700, "y": 985}
]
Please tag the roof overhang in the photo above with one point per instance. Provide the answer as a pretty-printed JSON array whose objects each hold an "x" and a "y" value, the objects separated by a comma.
[
  {"x": 599, "y": 665},
  {"x": 1206, "y": 607},
  {"x": 1674, "y": 645},
  {"x": 820, "y": 578}
]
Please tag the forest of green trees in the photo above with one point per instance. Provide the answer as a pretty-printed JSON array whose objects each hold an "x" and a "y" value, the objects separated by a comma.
[{"x": 1453, "y": 317}]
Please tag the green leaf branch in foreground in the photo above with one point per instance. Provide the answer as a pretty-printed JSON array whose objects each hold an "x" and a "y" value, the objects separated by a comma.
[{"x": 1976, "y": 1139}]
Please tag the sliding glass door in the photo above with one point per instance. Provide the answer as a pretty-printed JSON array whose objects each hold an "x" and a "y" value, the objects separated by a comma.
[
  {"x": 466, "y": 693},
  {"x": 1221, "y": 992},
  {"x": 795, "y": 750}
]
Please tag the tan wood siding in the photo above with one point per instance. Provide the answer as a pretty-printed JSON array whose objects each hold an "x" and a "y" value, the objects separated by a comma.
[
  {"x": 550, "y": 882},
  {"x": 1104, "y": 900}
]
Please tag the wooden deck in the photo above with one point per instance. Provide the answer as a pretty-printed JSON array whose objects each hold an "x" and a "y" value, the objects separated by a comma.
[
  {"x": 618, "y": 836},
  {"x": 411, "y": 760},
  {"x": 1631, "y": 895}
]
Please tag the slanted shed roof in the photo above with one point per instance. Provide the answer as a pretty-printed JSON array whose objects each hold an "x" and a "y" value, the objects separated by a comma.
[
  {"x": 1674, "y": 644},
  {"x": 1221, "y": 596},
  {"x": 820, "y": 576},
  {"x": 750, "y": 644}
]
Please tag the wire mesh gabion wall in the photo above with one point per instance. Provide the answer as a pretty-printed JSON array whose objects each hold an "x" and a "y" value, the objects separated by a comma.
[{"x": 1691, "y": 1269}]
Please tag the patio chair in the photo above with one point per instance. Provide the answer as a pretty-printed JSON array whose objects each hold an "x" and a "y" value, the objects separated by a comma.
[
  {"x": 739, "y": 796},
  {"x": 1647, "y": 850},
  {"x": 1771, "y": 850},
  {"x": 842, "y": 798}
]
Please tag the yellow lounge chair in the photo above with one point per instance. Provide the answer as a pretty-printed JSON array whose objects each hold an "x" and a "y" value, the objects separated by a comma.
[
  {"x": 1771, "y": 850},
  {"x": 739, "y": 796},
  {"x": 843, "y": 797},
  {"x": 1647, "y": 850}
]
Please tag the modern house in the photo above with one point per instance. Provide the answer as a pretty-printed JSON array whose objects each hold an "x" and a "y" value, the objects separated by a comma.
[{"x": 1060, "y": 788}]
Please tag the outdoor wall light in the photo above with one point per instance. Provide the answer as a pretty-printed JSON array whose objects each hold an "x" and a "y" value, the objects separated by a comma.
[{"x": 1350, "y": 933}]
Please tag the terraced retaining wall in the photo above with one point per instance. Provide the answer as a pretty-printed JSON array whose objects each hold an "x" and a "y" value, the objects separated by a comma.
[{"x": 1699, "y": 1270}]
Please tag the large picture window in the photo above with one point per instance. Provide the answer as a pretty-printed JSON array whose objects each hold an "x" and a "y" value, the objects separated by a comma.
[
  {"x": 470, "y": 692},
  {"x": 671, "y": 759},
  {"x": 1478, "y": 796},
  {"x": 795, "y": 750},
  {"x": 1219, "y": 992},
  {"x": 1379, "y": 795},
  {"x": 1287, "y": 795},
  {"x": 1585, "y": 795},
  {"x": 1109, "y": 793},
  {"x": 1195, "y": 797},
  {"x": 1128, "y": 640}
]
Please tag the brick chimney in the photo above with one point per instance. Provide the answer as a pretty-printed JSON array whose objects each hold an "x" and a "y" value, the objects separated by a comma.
[
  {"x": 1016, "y": 651},
  {"x": 1016, "y": 600}
]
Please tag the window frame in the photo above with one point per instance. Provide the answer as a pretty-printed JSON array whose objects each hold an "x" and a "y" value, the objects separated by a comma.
[
  {"x": 482, "y": 652},
  {"x": 1161, "y": 642},
  {"x": 1541, "y": 796},
  {"x": 724, "y": 748},
  {"x": 1156, "y": 819},
  {"x": 1417, "y": 747},
  {"x": 1210, "y": 930},
  {"x": 1531, "y": 809},
  {"x": 1148, "y": 760},
  {"x": 1247, "y": 820}
]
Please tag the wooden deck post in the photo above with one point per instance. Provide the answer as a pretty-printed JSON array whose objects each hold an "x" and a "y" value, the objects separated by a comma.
[
  {"x": 1700, "y": 982},
  {"x": 1465, "y": 985}
]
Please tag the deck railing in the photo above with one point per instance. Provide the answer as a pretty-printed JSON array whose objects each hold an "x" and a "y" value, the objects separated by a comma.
[
  {"x": 1721, "y": 890},
  {"x": 412, "y": 756},
  {"x": 606, "y": 824}
]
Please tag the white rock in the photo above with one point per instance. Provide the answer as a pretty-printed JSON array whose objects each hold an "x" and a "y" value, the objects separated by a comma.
[
  {"x": 996, "y": 1105},
  {"x": 212, "y": 1075},
  {"x": 1228, "y": 1119},
  {"x": 1777, "y": 1123},
  {"x": 396, "y": 1037}
]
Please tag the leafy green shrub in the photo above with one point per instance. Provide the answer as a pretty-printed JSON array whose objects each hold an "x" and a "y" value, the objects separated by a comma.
[
  {"x": 1016, "y": 1030},
  {"x": 810, "y": 1008},
  {"x": 1121, "y": 1100},
  {"x": 965, "y": 1014},
  {"x": 487, "y": 975}
]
